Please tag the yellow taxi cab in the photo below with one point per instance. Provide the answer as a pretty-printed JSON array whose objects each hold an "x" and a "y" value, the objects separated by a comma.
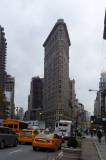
[
  {"x": 47, "y": 140},
  {"x": 27, "y": 135}
]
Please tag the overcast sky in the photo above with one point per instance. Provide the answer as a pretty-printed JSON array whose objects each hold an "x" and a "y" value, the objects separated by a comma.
[{"x": 27, "y": 24}]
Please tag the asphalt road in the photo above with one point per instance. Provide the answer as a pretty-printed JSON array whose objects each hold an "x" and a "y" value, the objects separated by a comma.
[{"x": 25, "y": 152}]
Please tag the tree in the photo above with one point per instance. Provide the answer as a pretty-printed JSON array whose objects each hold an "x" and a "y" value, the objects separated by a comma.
[
  {"x": 72, "y": 142},
  {"x": 3, "y": 104}
]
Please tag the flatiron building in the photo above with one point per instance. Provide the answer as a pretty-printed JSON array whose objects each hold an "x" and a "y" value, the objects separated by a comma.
[{"x": 56, "y": 74}]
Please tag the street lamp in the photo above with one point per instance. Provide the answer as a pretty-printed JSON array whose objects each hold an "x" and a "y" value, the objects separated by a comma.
[
  {"x": 40, "y": 115},
  {"x": 92, "y": 90},
  {"x": 98, "y": 101}
]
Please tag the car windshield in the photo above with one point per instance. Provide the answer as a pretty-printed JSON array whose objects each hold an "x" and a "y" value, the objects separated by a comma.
[
  {"x": 26, "y": 132},
  {"x": 62, "y": 130},
  {"x": 59, "y": 133},
  {"x": 63, "y": 124},
  {"x": 45, "y": 135}
]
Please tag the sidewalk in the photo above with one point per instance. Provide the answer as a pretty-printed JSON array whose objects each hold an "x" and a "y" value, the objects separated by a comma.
[
  {"x": 90, "y": 151},
  {"x": 101, "y": 147}
]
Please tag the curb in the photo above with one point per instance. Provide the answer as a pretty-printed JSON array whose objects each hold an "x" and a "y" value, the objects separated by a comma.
[
  {"x": 98, "y": 152},
  {"x": 59, "y": 156}
]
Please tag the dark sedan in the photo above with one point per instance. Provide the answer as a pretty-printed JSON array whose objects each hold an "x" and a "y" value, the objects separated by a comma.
[{"x": 7, "y": 137}]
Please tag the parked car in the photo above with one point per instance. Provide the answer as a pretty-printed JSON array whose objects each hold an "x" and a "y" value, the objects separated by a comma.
[
  {"x": 47, "y": 140},
  {"x": 27, "y": 135},
  {"x": 7, "y": 137}
]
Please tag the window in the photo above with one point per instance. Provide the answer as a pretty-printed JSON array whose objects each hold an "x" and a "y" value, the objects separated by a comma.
[
  {"x": 60, "y": 33},
  {"x": 10, "y": 132},
  {"x": 60, "y": 100},
  {"x": 62, "y": 130},
  {"x": 59, "y": 91},
  {"x": 10, "y": 125},
  {"x": 56, "y": 136},
  {"x": 26, "y": 132},
  {"x": 59, "y": 86},
  {"x": 65, "y": 124},
  {"x": 44, "y": 135},
  {"x": 36, "y": 132},
  {"x": 15, "y": 126},
  {"x": 4, "y": 130},
  {"x": 60, "y": 124},
  {"x": 56, "y": 124},
  {"x": 59, "y": 81}
]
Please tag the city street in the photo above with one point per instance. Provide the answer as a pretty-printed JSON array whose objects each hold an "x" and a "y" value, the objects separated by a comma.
[
  {"x": 25, "y": 152},
  {"x": 91, "y": 148}
]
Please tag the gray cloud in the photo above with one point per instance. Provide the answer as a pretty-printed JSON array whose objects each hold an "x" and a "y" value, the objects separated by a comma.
[{"x": 27, "y": 24}]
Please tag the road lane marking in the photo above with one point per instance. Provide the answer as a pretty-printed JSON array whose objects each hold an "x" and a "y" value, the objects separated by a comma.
[
  {"x": 15, "y": 151},
  {"x": 58, "y": 156}
]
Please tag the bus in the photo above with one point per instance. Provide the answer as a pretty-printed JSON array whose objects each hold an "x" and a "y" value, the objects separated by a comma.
[
  {"x": 15, "y": 125},
  {"x": 64, "y": 127}
]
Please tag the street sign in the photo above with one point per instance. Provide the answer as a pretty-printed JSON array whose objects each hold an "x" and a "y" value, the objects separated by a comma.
[{"x": 17, "y": 117}]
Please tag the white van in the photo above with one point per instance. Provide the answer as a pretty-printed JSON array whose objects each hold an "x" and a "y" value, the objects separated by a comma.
[{"x": 64, "y": 126}]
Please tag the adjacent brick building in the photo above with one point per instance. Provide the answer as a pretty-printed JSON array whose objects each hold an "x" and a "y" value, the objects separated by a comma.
[
  {"x": 3, "y": 49},
  {"x": 35, "y": 99},
  {"x": 10, "y": 87}
]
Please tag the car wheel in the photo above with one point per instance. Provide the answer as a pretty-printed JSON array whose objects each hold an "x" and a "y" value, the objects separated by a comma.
[
  {"x": 2, "y": 144},
  {"x": 37, "y": 148},
  {"x": 55, "y": 148},
  {"x": 15, "y": 143},
  {"x": 63, "y": 141},
  {"x": 60, "y": 146},
  {"x": 20, "y": 142},
  {"x": 34, "y": 148}
]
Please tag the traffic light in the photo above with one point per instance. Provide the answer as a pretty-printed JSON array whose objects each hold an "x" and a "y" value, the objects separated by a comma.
[{"x": 91, "y": 121}]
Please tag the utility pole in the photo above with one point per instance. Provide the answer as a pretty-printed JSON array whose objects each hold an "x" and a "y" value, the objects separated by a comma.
[{"x": 17, "y": 110}]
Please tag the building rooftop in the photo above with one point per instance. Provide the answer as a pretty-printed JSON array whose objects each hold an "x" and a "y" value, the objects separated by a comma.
[
  {"x": 59, "y": 21},
  {"x": 103, "y": 71}
]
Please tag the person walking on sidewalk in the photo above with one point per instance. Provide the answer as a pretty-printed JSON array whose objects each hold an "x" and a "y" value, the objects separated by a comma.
[
  {"x": 91, "y": 132},
  {"x": 105, "y": 135},
  {"x": 99, "y": 135}
]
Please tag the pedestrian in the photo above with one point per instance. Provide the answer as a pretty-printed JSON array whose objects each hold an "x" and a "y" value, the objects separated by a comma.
[
  {"x": 99, "y": 135},
  {"x": 91, "y": 132},
  {"x": 86, "y": 131},
  {"x": 105, "y": 134}
]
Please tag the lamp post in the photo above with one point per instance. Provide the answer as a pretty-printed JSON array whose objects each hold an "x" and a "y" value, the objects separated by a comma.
[
  {"x": 98, "y": 94},
  {"x": 97, "y": 105},
  {"x": 93, "y": 90},
  {"x": 40, "y": 115}
]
